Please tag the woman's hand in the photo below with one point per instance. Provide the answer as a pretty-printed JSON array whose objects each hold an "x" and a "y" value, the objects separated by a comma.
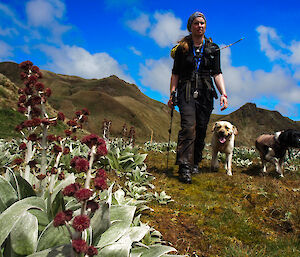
[{"x": 223, "y": 102}]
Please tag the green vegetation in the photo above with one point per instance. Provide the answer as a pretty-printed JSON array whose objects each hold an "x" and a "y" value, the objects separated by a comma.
[
  {"x": 244, "y": 215},
  {"x": 9, "y": 119}
]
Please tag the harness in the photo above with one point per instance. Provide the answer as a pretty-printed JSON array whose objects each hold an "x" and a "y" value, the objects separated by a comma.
[{"x": 200, "y": 78}]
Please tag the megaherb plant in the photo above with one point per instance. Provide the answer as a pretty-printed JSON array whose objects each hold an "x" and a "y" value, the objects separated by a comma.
[{"x": 45, "y": 211}]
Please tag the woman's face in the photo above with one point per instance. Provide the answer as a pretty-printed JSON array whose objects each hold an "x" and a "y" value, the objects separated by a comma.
[{"x": 198, "y": 26}]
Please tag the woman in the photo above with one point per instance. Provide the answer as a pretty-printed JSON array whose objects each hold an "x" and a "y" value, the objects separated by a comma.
[{"x": 196, "y": 62}]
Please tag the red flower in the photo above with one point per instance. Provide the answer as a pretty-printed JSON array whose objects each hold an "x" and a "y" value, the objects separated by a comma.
[
  {"x": 68, "y": 132},
  {"x": 78, "y": 113},
  {"x": 36, "y": 121},
  {"x": 85, "y": 111},
  {"x": 23, "y": 75},
  {"x": 40, "y": 176},
  {"x": 48, "y": 92},
  {"x": 72, "y": 123},
  {"x": 101, "y": 150},
  {"x": 60, "y": 116},
  {"x": 91, "y": 204},
  {"x": 36, "y": 100},
  {"x": 101, "y": 173},
  {"x": 81, "y": 165},
  {"x": 91, "y": 251},
  {"x": 74, "y": 138},
  {"x": 22, "y": 146},
  {"x": 59, "y": 138},
  {"x": 32, "y": 163},
  {"x": 35, "y": 69},
  {"x": 19, "y": 127},
  {"x": 68, "y": 215},
  {"x": 22, "y": 109},
  {"x": 28, "y": 91},
  {"x": 33, "y": 137},
  {"x": 28, "y": 123},
  {"x": 46, "y": 121},
  {"x": 60, "y": 219},
  {"x": 79, "y": 245},
  {"x": 73, "y": 161},
  {"x": 51, "y": 138},
  {"x": 39, "y": 86},
  {"x": 71, "y": 189},
  {"x": 26, "y": 65},
  {"x": 100, "y": 183},
  {"x": 81, "y": 222},
  {"x": 18, "y": 161},
  {"x": 66, "y": 150},
  {"x": 83, "y": 194},
  {"x": 22, "y": 99},
  {"x": 20, "y": 91},
  {"x": 92, "y": 140},
  {"x": 57, "y": 149}
]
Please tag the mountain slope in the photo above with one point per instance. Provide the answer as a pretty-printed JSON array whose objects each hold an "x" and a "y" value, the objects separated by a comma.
[{"x": 114, "y": 99}]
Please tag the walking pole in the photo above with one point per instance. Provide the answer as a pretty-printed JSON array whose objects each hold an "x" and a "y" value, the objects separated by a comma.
[{"x": 170, "y": 129}]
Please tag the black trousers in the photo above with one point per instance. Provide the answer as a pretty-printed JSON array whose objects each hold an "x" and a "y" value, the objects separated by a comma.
[{"x": 195, "y": 114}]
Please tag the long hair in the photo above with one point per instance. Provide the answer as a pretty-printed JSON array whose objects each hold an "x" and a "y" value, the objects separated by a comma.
[{"x": 186, "y": 41}]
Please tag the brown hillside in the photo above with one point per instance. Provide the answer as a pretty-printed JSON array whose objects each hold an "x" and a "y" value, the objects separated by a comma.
[
  {"x": 109, "y": 98},
  {"x": 252, "y": 122},
  {"x": 121, "y": 102}
]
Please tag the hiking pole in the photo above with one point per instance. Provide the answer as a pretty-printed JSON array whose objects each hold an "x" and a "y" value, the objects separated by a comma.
[
  {"x": 173, "y": 95},
  {"x": 231, "y": 44}
]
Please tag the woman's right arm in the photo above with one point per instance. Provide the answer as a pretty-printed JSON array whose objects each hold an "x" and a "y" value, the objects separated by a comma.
[{"x": 173, "y": 86}]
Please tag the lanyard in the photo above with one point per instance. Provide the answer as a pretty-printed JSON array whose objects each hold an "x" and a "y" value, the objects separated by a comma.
[{"x": 198, "y": 57}]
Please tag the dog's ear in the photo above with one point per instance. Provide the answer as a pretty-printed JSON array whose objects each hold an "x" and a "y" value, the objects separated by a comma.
[
  {"x": 214, "y": 126},
  {"x": 235, "y": 130}
]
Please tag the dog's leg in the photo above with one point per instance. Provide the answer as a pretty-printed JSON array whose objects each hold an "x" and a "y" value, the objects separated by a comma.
[
  {"x": 264, "y": 163},
  {"x": 281, "y": 168},
  {"x": 270, "y": 156},
  {"x": 214, "y": 161},
  {"x": 228, "y": 164}
]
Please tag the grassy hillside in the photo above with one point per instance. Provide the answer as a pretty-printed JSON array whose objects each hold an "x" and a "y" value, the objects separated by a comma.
[
  {"x": 123, "y": 103},
  {"x": 244, "y": 215}
]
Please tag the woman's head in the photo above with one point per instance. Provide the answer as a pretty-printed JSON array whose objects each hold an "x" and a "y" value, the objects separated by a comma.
[{"x": 196, "y": 17}]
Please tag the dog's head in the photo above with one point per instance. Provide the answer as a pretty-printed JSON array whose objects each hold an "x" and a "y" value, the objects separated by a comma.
[
  {"x": 290, "y": 138},
  {"x": 223, "y": 130}
]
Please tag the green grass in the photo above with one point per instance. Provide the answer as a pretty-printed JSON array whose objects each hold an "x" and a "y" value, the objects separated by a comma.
[
  {"x": 217, "y": 215},
  {"x": 9, "y": 119}
]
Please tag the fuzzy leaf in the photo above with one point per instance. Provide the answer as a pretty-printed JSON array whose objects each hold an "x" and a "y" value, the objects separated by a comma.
[
  {"x": 24, "y": 234},
  {"x": 100, "y": 221},
  {"x": 121, "y": 218},
  {"x": 53, "y": 237},
  {"x": 7, "y": 194},
  {"x": 10, "y": 217},
  {"x": 60, "y": 251},
  {"x": 153, "y": 250},
  {"x": 120, "y": 248}
]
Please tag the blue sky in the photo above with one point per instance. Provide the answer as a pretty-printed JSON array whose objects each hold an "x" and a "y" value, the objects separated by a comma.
[{"x": 132, "y": 39}]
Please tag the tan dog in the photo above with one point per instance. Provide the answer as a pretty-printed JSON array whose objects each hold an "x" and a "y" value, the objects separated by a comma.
[{"x": 223, "y": 141}]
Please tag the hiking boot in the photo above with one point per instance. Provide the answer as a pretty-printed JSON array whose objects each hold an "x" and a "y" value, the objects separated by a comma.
[
  {"x": 195, "y": 169},
  {"x": 185, "y": 174}
]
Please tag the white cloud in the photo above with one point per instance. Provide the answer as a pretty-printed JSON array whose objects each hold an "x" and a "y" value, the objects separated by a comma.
[
  {"x": 244, "y": 85},
  {"x": 135, "y": 51},
  {"x": 74, "y": 60},
  {"x": 269, "y": 39},
  {"x": 156, "y": 74},
  {"x": 295, "y": 56},
  {"x": 44, "y": 13},
  {"x": 5, "y": 50},
  {"x": 140, "y": 24},
  {"x": 167, "y": 29}
]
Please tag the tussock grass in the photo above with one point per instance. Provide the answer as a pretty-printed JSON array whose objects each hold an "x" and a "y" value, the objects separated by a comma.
[{"x": 244, "y": 215}]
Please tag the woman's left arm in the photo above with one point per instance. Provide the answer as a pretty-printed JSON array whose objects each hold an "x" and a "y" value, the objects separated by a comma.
[{"x": 219, "y": 81}]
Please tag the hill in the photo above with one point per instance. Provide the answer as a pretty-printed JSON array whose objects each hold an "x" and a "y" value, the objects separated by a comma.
[{"x": 114, "y": 99}]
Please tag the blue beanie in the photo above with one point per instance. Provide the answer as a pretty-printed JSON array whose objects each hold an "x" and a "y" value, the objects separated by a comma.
[{"x": 192, "y": 17}]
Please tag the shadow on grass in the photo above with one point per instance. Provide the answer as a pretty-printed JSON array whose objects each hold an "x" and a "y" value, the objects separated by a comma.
[{"x": 256, "y": 171}]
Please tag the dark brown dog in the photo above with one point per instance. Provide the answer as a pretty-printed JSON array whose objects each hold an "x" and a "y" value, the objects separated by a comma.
[{"x": 273, "y": 148}]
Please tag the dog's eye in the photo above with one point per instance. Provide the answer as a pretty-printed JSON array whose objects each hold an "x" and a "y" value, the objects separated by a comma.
[{"x": 226, "y": 128}]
